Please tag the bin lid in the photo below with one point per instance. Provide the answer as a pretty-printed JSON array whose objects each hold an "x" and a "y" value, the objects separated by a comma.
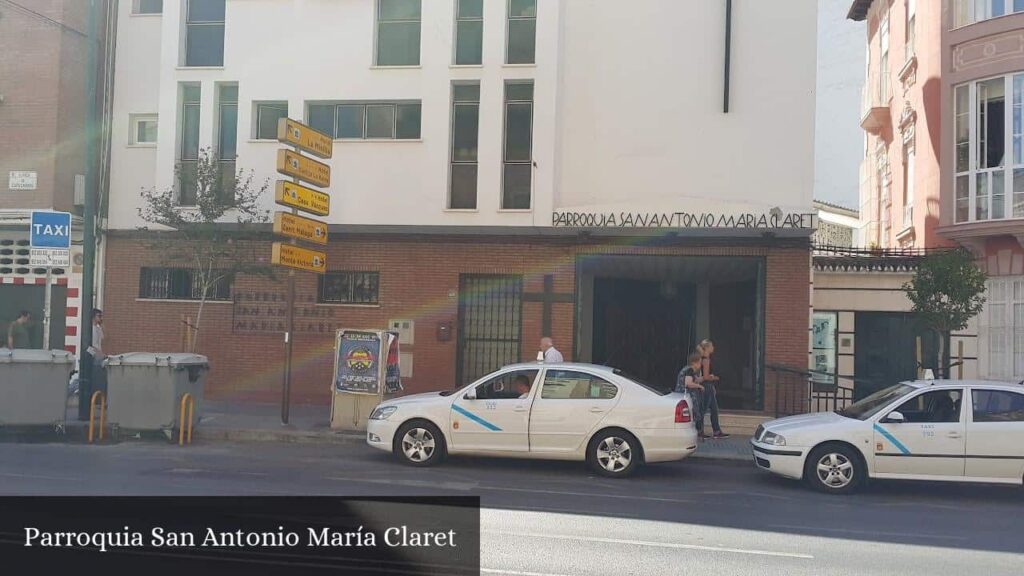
[
  {"x": 31, "y": 356},
  {"x": 157, "y": 359}
]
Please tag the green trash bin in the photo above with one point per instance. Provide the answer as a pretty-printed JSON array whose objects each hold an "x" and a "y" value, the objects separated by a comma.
[
  {"x": 34, "y": 386},
  {"x": 145, "y": 389}
]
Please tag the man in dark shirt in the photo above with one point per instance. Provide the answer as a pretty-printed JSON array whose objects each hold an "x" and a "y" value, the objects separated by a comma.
[
  {"x": 706, "y": 349},
  {"x": 690, "y": 380},
  {"x": 17, "y": 333}
]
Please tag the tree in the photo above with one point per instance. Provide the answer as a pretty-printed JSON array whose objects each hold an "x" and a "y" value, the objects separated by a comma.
[
  {"x": 214, "y": 237},
  {"x": 947, "y": 291}
]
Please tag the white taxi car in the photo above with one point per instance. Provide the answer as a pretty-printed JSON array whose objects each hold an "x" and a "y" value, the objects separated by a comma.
[
  {"x": 953, "y": 430},
  {"x": 561, "y": 411}
]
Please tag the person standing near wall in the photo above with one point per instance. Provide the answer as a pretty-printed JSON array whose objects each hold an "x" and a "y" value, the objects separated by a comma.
[
  {"x": 99, "y": 373},
  {"x": 17, "y": 332},
  {"x": 706, "y": 349}
]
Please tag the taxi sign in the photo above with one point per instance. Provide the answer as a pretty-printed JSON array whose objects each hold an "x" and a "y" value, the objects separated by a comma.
[
  {"x": 304, "y": 138},
  {"x": 299, "y": 258},
  {"x": 299, "y": 197},
  {"x": 298, "y": 166},
  {"x": 301, "y": 228}
]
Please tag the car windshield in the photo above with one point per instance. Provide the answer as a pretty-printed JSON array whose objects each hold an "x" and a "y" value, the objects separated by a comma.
[
  {"x": 637, "y": 380},
  {"x": 869, "y": 406}
]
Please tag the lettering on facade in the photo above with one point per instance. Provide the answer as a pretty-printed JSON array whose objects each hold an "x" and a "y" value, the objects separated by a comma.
[
  {"x": 773, "y": 220},
  {"x": 267, "y": 313}
]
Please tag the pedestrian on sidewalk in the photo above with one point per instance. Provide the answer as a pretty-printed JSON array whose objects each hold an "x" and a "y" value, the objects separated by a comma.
[
  {"x": 95, "y": 351},
  {"x": 689, "y": 380},
  {"x": 17, "y": 333},
  {"x": 706, "y": 349},
  {"x": 551, "y": 354}
]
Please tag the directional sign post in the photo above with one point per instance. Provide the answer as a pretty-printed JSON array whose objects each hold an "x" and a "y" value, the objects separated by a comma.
[
  {"x": 294, "y": 195},
  {"x": 49, "y": 247}
]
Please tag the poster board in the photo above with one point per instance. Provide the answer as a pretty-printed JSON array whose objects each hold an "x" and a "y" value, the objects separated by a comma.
[{"x": 366, "y": 372}]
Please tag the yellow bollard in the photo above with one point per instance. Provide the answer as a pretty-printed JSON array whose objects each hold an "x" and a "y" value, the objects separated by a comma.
[
  {"x": 186, "y": 399},
  {"x": 92, "y": 413}
]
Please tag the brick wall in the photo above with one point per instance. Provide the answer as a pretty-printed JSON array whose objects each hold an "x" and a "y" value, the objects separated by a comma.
[{"x": 419, "y": 278}]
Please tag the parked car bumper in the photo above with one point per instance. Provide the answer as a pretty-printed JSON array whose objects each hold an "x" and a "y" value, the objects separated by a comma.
[
  {"x": 782, "y": 460},
  {"x": 667, "y": 445},
  {"x": 380, "y": 434}
]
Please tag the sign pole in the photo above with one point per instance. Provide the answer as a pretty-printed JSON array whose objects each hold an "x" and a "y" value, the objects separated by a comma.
[
  {"x": 46, "y": 311},
  {"x": 286, "y": 389}
]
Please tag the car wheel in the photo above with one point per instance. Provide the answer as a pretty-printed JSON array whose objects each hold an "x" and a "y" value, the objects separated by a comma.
[
  {"x": 419, "y": 443},
  {"x": 615, "y": 453},
  {"x": 834, "y": 469}
]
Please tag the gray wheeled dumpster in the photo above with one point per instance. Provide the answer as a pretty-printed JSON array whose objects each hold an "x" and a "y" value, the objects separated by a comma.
[
  {"x": 34, "y": 386},
  {"x": 144, "y": 389}
]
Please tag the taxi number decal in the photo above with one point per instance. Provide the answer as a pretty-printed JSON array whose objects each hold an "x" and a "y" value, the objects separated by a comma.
[{"x": 491, "y": 405}]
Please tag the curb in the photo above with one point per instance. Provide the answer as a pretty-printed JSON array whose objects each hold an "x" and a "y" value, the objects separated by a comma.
[{"x": 284, "y": 436}]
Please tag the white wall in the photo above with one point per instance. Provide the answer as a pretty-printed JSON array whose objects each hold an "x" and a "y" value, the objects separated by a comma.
[{"x": 627, "y": 105}]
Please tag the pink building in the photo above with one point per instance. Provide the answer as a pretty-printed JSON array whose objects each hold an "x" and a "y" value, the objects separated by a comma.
[
  {"x": 901, "y": 115},
  {"x": 982, "y": 164}
]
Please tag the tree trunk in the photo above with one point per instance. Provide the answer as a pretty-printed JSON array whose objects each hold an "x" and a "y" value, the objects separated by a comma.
[
  {"x": 199, "y": 318},
  {"x": 943, "y": 367}
]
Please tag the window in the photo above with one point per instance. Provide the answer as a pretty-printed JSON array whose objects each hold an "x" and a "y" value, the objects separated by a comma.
[
  {"x": 469, "y": 31},
  {"x": 204, "y": 33},
  {"x": 188, "y": 153},
  {"x": 572, "y": 385},
  {"x": 998, "y": 406},
  {"x": 507, "y": 386},
  {"x": 465, "y": 140},
  {"x": 227, "y": 138},
  {"x": 971, "y": 11},
  {"x": 178, "y": 284},
  {"x": 398, "y": 32},
  {"x": 911, "y": 32},
  {"x": 883, "y": 66},
  {"x": 518, "y": 155},
  {"x": 908, "y": 186},
  {"x": 1005, "y": 311},
  {"x": 367, "y": 120},
  {"x": 870, "y": 405},
  {"x": 266, "y": 115},
  {"x": 989, "y": 176},
  {"x": 148, "y": 7},
  {"x": 349, "y": 288},
  {"x": 935, "y": 406},
  {"x": 143, "y": 129},
  {"x": 521, "y": 33},
  {"x": 824, "y": 347}
]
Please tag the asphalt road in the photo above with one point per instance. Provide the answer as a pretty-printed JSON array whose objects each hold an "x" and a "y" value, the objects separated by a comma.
[{"x": 544, "y": 518}]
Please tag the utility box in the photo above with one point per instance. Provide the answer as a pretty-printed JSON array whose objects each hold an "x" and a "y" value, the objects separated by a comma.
[
  {"x": 34, "y": 386},
  {"x": 145, "y": 389},
  {"x": 366, "y": 372}
]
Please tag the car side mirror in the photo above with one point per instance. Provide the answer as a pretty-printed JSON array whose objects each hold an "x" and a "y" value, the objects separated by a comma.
[
  {"x": 471, "y": 395},
  {"x": 895, "y": 417}
]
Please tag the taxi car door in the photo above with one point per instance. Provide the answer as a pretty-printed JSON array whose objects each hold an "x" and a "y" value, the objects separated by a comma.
[{"x": 930, "y": 441}]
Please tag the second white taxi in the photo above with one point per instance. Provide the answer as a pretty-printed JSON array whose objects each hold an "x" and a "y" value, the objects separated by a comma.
[
  {"x": 952, "y": 430},
  {"x": 559, "y": 411}
]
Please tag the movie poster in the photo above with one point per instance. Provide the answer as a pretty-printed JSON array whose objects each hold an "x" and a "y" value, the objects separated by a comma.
[
  {"x": 393, "y": 375},
  {"x": 358, "y": 364}
]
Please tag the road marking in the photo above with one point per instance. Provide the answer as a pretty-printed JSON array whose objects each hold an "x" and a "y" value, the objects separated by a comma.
[
  {"x": 517, "y": 573},
  {"x": 865, "y": 532},
  {"x": 37, "y": 477},
  {"x": 561, "y": 511},
  {"x": 671, "y": 545},
  {"x": 586, "y": 494},
  {"x": 463, "y": 486}
]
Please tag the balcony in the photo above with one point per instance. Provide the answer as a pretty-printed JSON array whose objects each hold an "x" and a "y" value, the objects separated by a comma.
[{"x": 875, "y": 115}]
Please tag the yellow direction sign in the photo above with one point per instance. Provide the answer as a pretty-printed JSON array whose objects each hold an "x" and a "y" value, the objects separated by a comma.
[
  {"x": 298, "y": 166},
  {"x": 299, "y": 197},
  {"x": 301, "y": 228},
  {"x": 300, "y": 258},
  {"x": 304, "y": 138}
]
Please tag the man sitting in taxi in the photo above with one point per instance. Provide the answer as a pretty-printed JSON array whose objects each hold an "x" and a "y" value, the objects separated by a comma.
[{"x": 522, "y": 386}]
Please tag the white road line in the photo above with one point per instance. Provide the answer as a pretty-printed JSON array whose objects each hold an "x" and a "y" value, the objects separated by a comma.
[
  {"x": 671, "y": 545},
  {"x": 805, "y": 529},
  {"x": 517, "y": 573},
  {"x": 38, "y": 477},
  {"x": 559, "y": 511},
  {"x": 587, "y": 494}
]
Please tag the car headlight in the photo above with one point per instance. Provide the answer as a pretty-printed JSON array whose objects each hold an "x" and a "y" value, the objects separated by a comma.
[
  {"x": 383, "y": 412},
  {"x": 774, "y": 439}
]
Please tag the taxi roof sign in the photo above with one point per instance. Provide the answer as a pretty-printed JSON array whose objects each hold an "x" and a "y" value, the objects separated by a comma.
[
  {"x": 300, "y": 228},
  {"x": 302, "y": 198},
  {"x": 304, "y": 138},
  {"x": 296, "y": 165},
  {"x": 291, "y": 256}
]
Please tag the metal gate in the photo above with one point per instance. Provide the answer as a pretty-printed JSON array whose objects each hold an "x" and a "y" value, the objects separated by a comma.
[{"x": 490, "y": 313}]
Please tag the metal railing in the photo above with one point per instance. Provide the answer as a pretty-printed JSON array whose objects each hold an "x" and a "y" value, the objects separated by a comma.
[{"x": 798, "y": 391}]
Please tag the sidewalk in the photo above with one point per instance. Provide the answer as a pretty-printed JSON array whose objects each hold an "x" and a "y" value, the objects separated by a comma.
[{"x": 249, "y": 422}]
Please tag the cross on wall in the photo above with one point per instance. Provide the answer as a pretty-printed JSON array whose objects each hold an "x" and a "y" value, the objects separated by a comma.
[{"x": 548, "y": 298}]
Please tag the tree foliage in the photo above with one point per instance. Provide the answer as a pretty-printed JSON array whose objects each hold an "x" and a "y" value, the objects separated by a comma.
[
  {"x": 212, "y": 234},
  {"x": 947, "y": 290}
]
